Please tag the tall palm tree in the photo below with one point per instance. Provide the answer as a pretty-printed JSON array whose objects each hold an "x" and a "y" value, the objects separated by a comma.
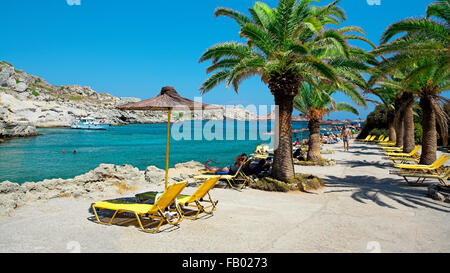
[
  {"x": 402, "y": 101},
  {"x": 285, "y": 49},
  {"x": 389, "y": 99},
  {"x": 424, "y": 47},
  {"x": 315, "y": 103}
]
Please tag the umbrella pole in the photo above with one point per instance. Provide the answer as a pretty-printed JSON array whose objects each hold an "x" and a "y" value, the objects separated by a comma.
[
  {"x": 301, "y": 132},
  {"x": 167, "y": 148}
]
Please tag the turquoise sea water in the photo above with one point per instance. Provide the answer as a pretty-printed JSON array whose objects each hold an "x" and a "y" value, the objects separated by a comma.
[{"x": 39, "y": 158}]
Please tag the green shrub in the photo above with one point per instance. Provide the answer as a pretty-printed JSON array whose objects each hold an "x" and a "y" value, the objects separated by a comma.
[
  {"x": 42, "y": 87},
  {"x": 379, "y": 131},
  {"x": 5, "y": 62},
  {"x": 418, "y": 133},
  {"x": 75, "y": 98},
  {"x": 35, "y": 93},
  {"x": 375, "y": 120},
  {"x": 302, "y": 182}
]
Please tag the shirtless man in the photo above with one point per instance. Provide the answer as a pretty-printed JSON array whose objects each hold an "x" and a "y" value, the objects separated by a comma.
[{"x": 346, "y": 135}]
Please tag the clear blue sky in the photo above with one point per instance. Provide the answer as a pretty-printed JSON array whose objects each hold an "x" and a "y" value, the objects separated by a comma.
[{"x": 134, "y": 47}]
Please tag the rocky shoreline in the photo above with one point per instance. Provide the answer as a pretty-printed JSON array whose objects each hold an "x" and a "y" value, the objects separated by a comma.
[
  {"x": 105, "y": 181},
  {"x": 28, "y": 99}
]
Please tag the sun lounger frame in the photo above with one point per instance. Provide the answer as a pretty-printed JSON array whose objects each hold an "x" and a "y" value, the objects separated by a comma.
[{"x": 157, "y": 214}]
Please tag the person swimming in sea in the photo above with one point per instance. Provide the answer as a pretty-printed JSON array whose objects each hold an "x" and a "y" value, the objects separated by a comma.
[{"x": 231, "y": 169}]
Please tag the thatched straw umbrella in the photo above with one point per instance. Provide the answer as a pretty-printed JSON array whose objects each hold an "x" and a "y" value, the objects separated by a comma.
[{"x": 168, "y": 99}]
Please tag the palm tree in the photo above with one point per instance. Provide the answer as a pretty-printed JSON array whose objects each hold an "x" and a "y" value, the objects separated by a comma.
[
  {"x": 315, "y": 104},
  {"x": 424, "y": 49},
  {"x": 286, "y": 46},
  {"x": 389, "y": 99},
  {"x": 282, "y": 48},
  {"x": 391, "y": 88}
]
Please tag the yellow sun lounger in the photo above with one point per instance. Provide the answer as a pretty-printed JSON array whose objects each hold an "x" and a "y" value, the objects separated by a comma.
[
  {"x": 403, "y": 160},
  {"x": 414, "y": 153},
  {"x": 421, "y": 177},
  {"x": 436, "y": 168},
  {"x": 393, "y": 149},
  {"x": 388, "y": 143},
  {"x": 238, "y": 177},
  {"x": 385, "y": 140},
  {"x": 363, "y": 140},
  {"x": 380, "y": 139},
  {"x": 195, "y": 200},
  {"x": 153, "y": 212},
  {"x": 371, "y": 139}
]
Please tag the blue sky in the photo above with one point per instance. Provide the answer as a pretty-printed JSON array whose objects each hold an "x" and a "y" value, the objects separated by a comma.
[{"x": 134, "y": 47}]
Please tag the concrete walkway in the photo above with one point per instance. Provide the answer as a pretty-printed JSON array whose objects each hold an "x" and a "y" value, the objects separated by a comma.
[{"x": 361, "y": 209}]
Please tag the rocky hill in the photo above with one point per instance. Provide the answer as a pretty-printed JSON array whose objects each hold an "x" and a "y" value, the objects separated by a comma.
[{"x": 28, "y": 100}]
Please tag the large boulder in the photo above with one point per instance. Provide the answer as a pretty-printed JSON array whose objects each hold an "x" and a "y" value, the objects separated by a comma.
[
  {"x": 11, "y": 195},
  {"x": 154, "y": 175},
  {"x": 21, "y": 87},
  {"x": 17, "y": 130}
]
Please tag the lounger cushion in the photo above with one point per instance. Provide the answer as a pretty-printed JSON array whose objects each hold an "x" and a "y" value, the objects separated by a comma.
[{"x": 121, "y": 205}]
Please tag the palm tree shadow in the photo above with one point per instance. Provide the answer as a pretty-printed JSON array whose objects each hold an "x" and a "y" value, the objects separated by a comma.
[
  {"x": 367, "y": 189},
  {"x": 363, "y": 163}
]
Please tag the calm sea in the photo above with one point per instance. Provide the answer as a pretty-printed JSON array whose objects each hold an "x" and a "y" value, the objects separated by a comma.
[{"x": 39, "y": 158}]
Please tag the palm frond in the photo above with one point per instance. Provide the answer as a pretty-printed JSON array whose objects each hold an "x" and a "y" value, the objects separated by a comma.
[
  {"x": 435, "y": 29},
  {"x": 214, "y": 80},
  {"x": 239, "y": 17}
]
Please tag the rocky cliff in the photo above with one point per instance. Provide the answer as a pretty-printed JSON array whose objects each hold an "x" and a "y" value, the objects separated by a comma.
[{"x": 29, "y": 100}]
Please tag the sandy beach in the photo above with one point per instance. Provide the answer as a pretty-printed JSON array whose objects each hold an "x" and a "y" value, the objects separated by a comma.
[{"x": 361, "y": 209}]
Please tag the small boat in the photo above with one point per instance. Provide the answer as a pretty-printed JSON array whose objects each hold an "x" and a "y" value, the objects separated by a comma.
[{"x": 88, "y": 123}]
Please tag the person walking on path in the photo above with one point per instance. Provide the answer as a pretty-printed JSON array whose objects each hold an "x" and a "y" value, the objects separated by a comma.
[{"x": 346, "y": 135}]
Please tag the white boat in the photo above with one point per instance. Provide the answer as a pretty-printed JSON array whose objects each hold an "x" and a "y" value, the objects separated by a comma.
[{"x": 88, "y": 123}]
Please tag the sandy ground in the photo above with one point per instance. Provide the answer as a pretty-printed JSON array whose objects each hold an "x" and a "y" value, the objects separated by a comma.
[{"x": 361, "y": 209}]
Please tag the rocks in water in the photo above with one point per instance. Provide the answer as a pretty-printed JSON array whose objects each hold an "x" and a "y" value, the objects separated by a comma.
[
  {"x": 17, "y": 130},
  {"x": 189, "y": 165}
]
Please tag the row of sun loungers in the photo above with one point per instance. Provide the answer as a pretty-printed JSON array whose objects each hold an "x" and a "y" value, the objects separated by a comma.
[
  {"x": 171, "y": 206},
  {"x": 406, "y": 164}
]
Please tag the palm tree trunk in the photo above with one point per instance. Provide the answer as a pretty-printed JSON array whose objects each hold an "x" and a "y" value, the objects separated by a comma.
[
  {"x": 408, "y": 125},
  {"x": 398, "y": 120},
  {"x": 314, "y": 140},
  {"x": 283, "y": 164},
  {"x": 399, "y": 130},
  {"x": 429, "y": 139},
  {"x": 391, "y": 124}
]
